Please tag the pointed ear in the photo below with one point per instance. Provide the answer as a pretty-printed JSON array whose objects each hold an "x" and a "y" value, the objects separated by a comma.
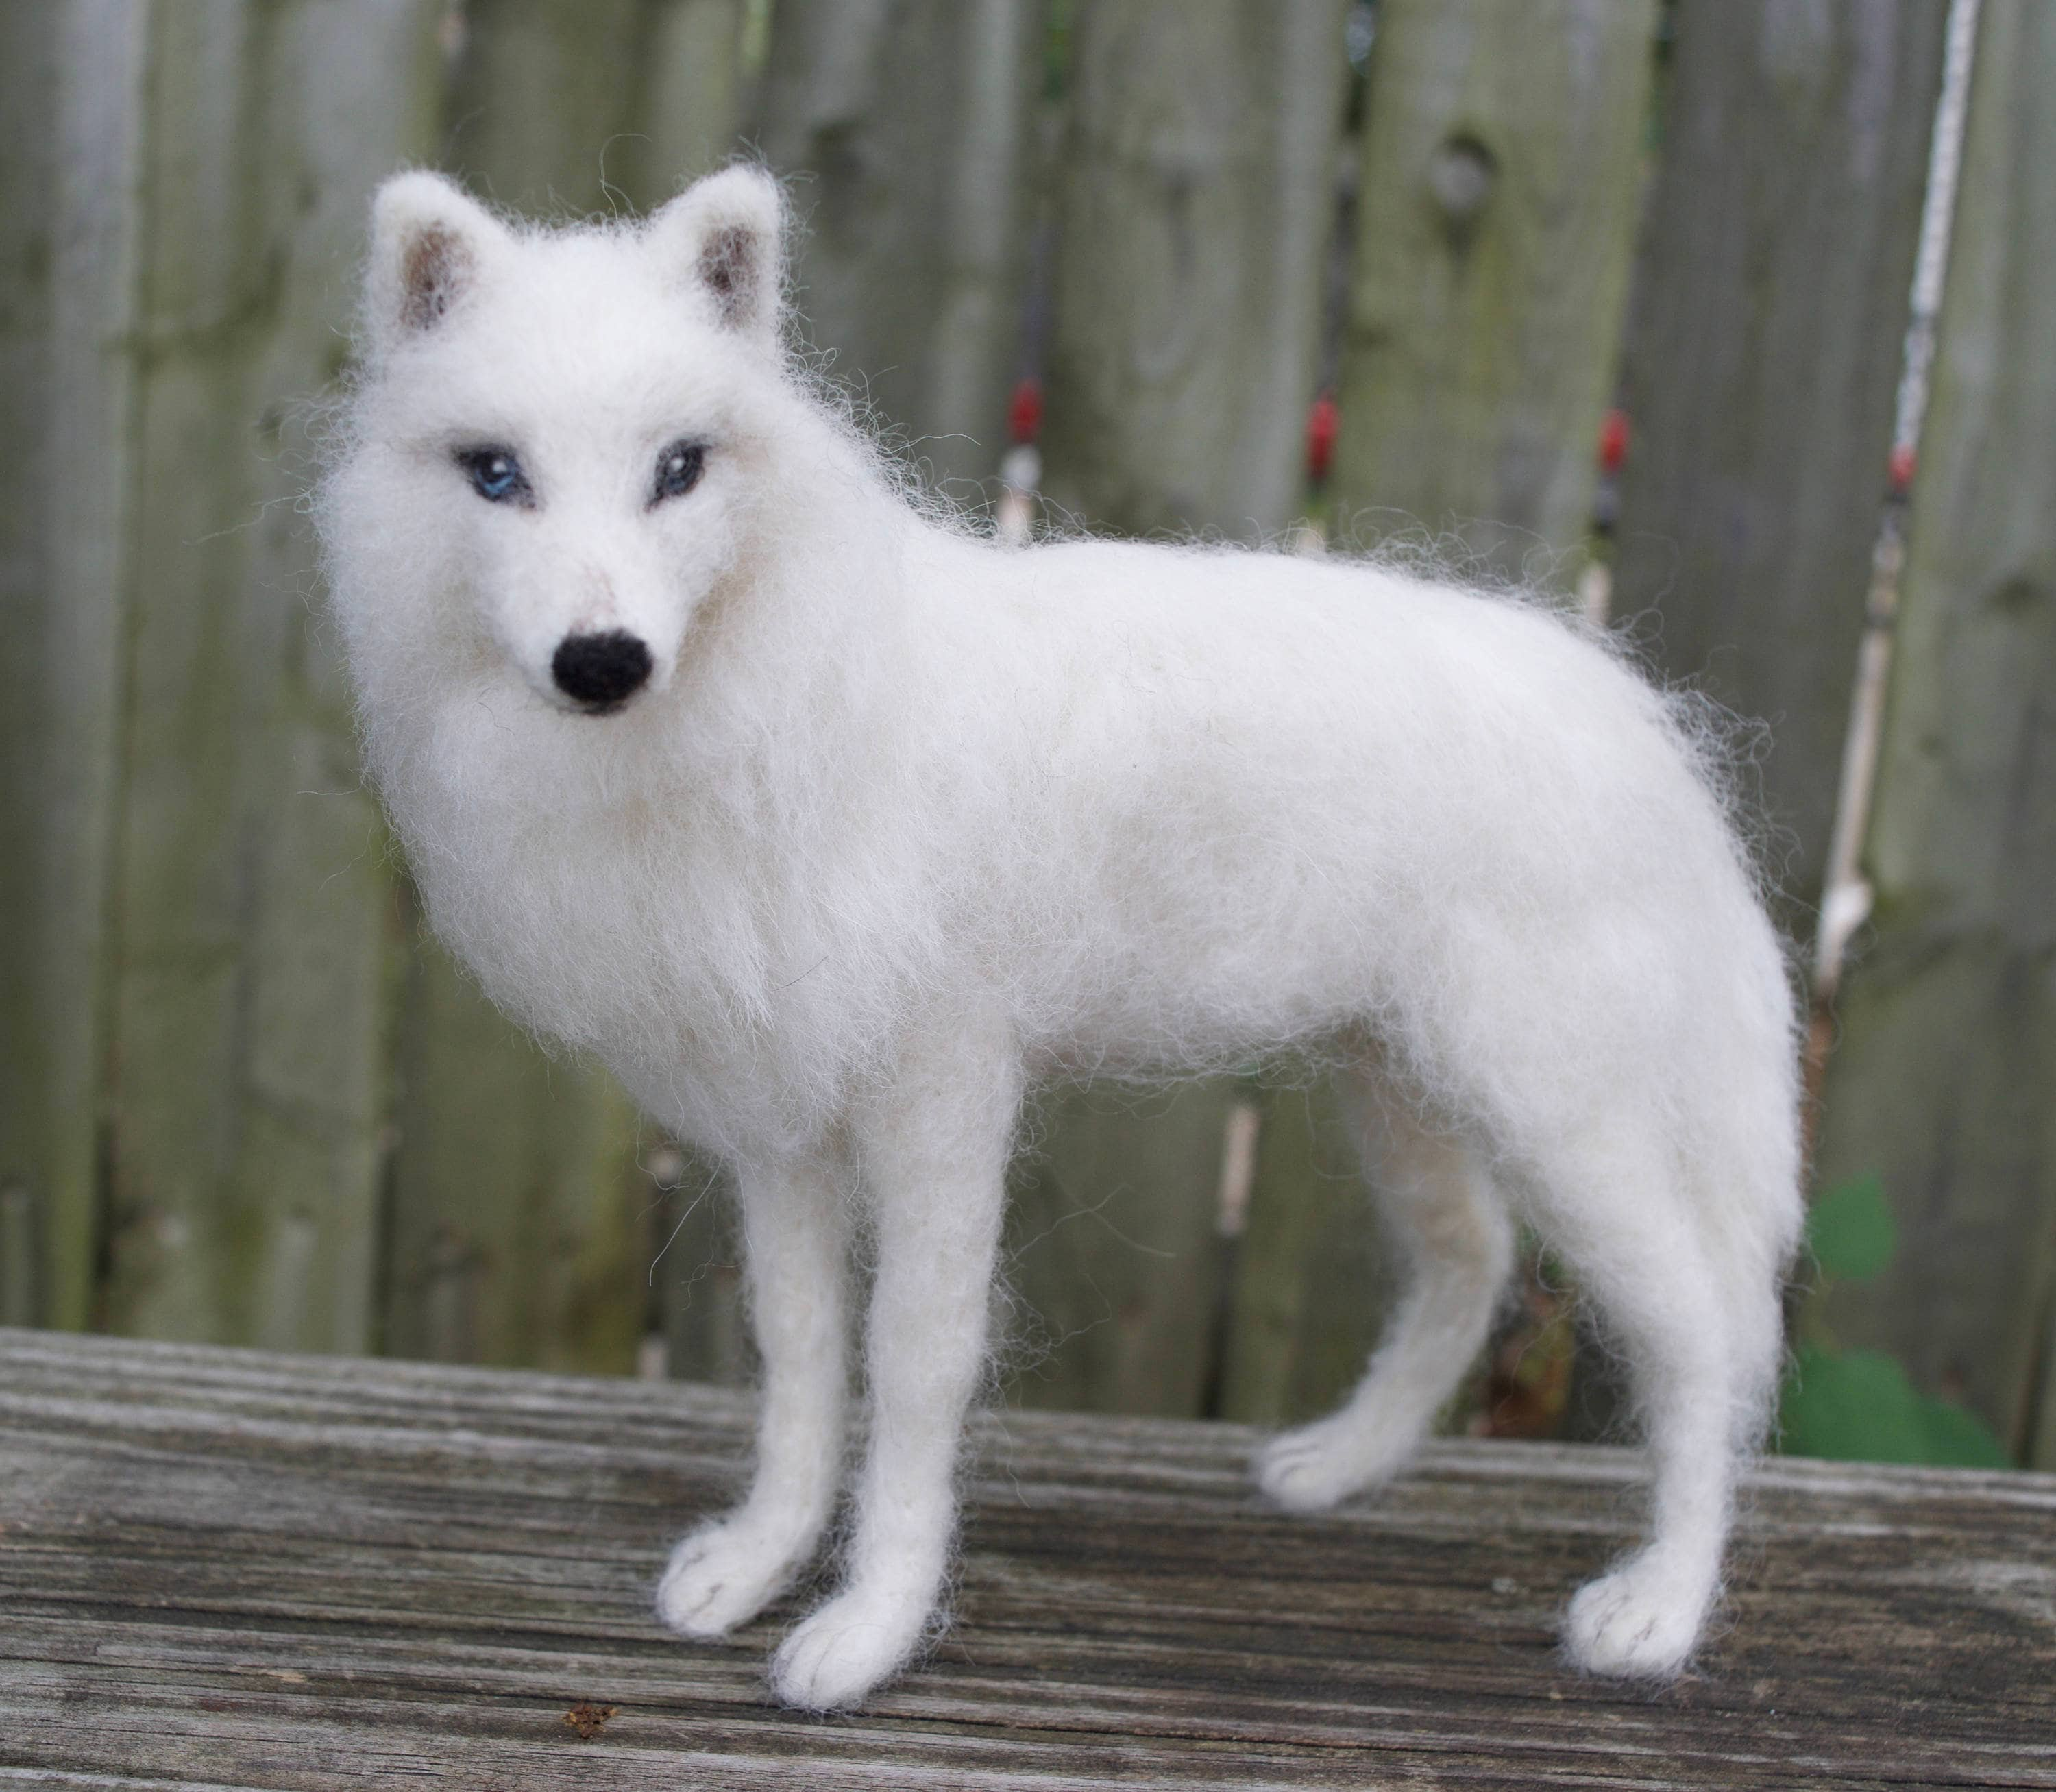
[
  {"x": 724, "y": 239},
  {"x": 431, "y": 244}
]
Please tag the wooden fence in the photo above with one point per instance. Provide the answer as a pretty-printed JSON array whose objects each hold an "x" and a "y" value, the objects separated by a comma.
[{"x": 241, "y": 1098}]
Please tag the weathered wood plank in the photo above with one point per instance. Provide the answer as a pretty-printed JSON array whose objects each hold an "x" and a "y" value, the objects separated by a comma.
[
  {"x": 70, "y": 81},
  {"x": 1763, "y": 351},
  {"x": 256, "y": 1571},
  {"x": 1495, "y": 213},
  {"x": 909, "y": 127},
  {"x": 1193, "y": 198},
  {"x": 1941, "y": 1081},
  {"x": 252, "y": 903}
]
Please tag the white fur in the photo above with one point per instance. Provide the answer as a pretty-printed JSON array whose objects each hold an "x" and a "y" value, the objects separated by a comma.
[{"x": 906, "y": 822}]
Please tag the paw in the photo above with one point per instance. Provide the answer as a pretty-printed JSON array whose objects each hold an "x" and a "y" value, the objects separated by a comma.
[
  {"x": 1640, "y": 1621},
  {"x": 723, "y": 1575},
  {"x": 1320, "y": 1464},
  {"x": 839, "y": 1654}
]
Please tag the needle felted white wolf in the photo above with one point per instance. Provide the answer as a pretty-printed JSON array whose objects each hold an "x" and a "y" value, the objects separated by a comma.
[{"x": 832, "y": 829}]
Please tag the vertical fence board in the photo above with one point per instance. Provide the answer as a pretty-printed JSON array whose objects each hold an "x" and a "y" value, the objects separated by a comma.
[
  {"x": 1763, "y": 353},
  {"x": 251, "y": 896},
  {"x": 1311, "y": 1284},
  {"x": 516, "y": 1237},
  {"x": 70, "y": 77},
  {"x": 908, "y": 126},
  {"x": 689, "y": 100},
  {"x": 697, "y": 1272},
  {"x": 1112, "y": 1251},
  {"x": 561, "y": 111},
  {"x": 1195, "y": 192},
  {"x": 539, "y": 91},
  {"x": 1944, "y": 1076},
  {"x": 1495, "y": 213}
]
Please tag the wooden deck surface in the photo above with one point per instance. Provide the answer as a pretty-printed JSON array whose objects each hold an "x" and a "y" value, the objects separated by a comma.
[{"x": 224, "y": 1569}]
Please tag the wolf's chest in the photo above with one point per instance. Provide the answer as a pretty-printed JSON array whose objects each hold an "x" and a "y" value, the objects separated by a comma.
[{"x": 709, "y": 982}]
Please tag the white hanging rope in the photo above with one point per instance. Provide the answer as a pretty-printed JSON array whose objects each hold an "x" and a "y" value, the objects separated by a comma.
[{"x": 1846, "y": 902}]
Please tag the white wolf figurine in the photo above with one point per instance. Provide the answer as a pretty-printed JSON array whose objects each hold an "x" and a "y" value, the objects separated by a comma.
[{"x": 832, "y": 828}]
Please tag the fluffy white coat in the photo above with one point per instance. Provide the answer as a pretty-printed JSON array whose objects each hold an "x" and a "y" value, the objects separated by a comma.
[{"x": 901, "y": 821}]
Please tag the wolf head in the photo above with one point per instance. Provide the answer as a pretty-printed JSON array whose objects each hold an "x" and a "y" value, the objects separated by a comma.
[{"x": 553, "y": 454}]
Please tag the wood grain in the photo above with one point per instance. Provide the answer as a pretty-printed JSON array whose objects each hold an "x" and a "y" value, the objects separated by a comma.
[
  {"x": 1500, "y": 169},
  {"x": 226, "y": 1568},
  {"x": 1312, "y": 1284},
  {"x": 1113, "y": 1262},
  {"x": 252, "y": 902},
  {"x": 1941, "y": 1082},
  {"x": 1764, "y": 346},
  {"x": 71, "y": 77},
  {"x": 908, "y": 128},
  {"x": 1192, "y": 201}
]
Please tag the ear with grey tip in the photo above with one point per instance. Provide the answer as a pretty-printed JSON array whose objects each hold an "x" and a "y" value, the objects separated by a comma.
[
  {"x": 431, "y": 243},
  {"x": 724, "y": 237}
]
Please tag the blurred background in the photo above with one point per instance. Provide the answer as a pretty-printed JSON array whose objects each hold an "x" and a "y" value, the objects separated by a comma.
[{"x": 1731, "y": 320}]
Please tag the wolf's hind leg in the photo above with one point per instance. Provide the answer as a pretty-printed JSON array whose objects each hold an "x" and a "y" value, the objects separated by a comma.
[
  {"x": 1456, "y": 1243},
  {"x": 795, "y": 1236},
  {"x": 1699, "y": 1325}
]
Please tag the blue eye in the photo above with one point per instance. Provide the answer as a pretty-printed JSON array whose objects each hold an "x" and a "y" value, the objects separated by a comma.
[
  {"x": 496, "y": 475},
  {"x": 678, "y": 469}
]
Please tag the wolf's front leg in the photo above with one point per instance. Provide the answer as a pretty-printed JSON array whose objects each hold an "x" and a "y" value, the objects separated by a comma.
[
  {"x": 795, "y": 1236},
  {"x": 934, "y": 1158}
]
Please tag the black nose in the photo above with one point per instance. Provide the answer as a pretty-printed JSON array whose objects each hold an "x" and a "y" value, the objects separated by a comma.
[{"x": 602, "y": 671}]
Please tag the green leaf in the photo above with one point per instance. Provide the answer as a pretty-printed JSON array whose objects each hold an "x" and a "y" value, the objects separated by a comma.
[
  {"x": 1958, "y": 1438},
  {"x": 1851, "y": 1407},
  {"x": 1859, "y": 1407},
  {"x": 1851, "y": 1231}
]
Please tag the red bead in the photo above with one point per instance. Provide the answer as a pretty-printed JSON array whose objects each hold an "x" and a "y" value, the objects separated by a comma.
[
  {"x": 1613, "y": 440},
  {"x": 1320, "y": 437},
  {"x": 1024, "y": 415}
]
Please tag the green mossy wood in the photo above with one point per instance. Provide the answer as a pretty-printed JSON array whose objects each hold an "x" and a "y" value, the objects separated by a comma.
[
  {"x": 1112, "y": 1255},
  {"x": 1501, "y": 158},
  {"x": 218, "y": 1002},
  {"x": 1193, "y": 197},
  {"x": 1764, "y": 346},
  {"x": 908, "y": 128},
  {"x": 71, "y": 80},
  {"x": 517, "y": 1232},
  {"x": 252, "y": 912},
  {"x": 1312, "y": 1286},
  {"x": 608, "y": 105},
  {"x": 1942, "y": 1082}
]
